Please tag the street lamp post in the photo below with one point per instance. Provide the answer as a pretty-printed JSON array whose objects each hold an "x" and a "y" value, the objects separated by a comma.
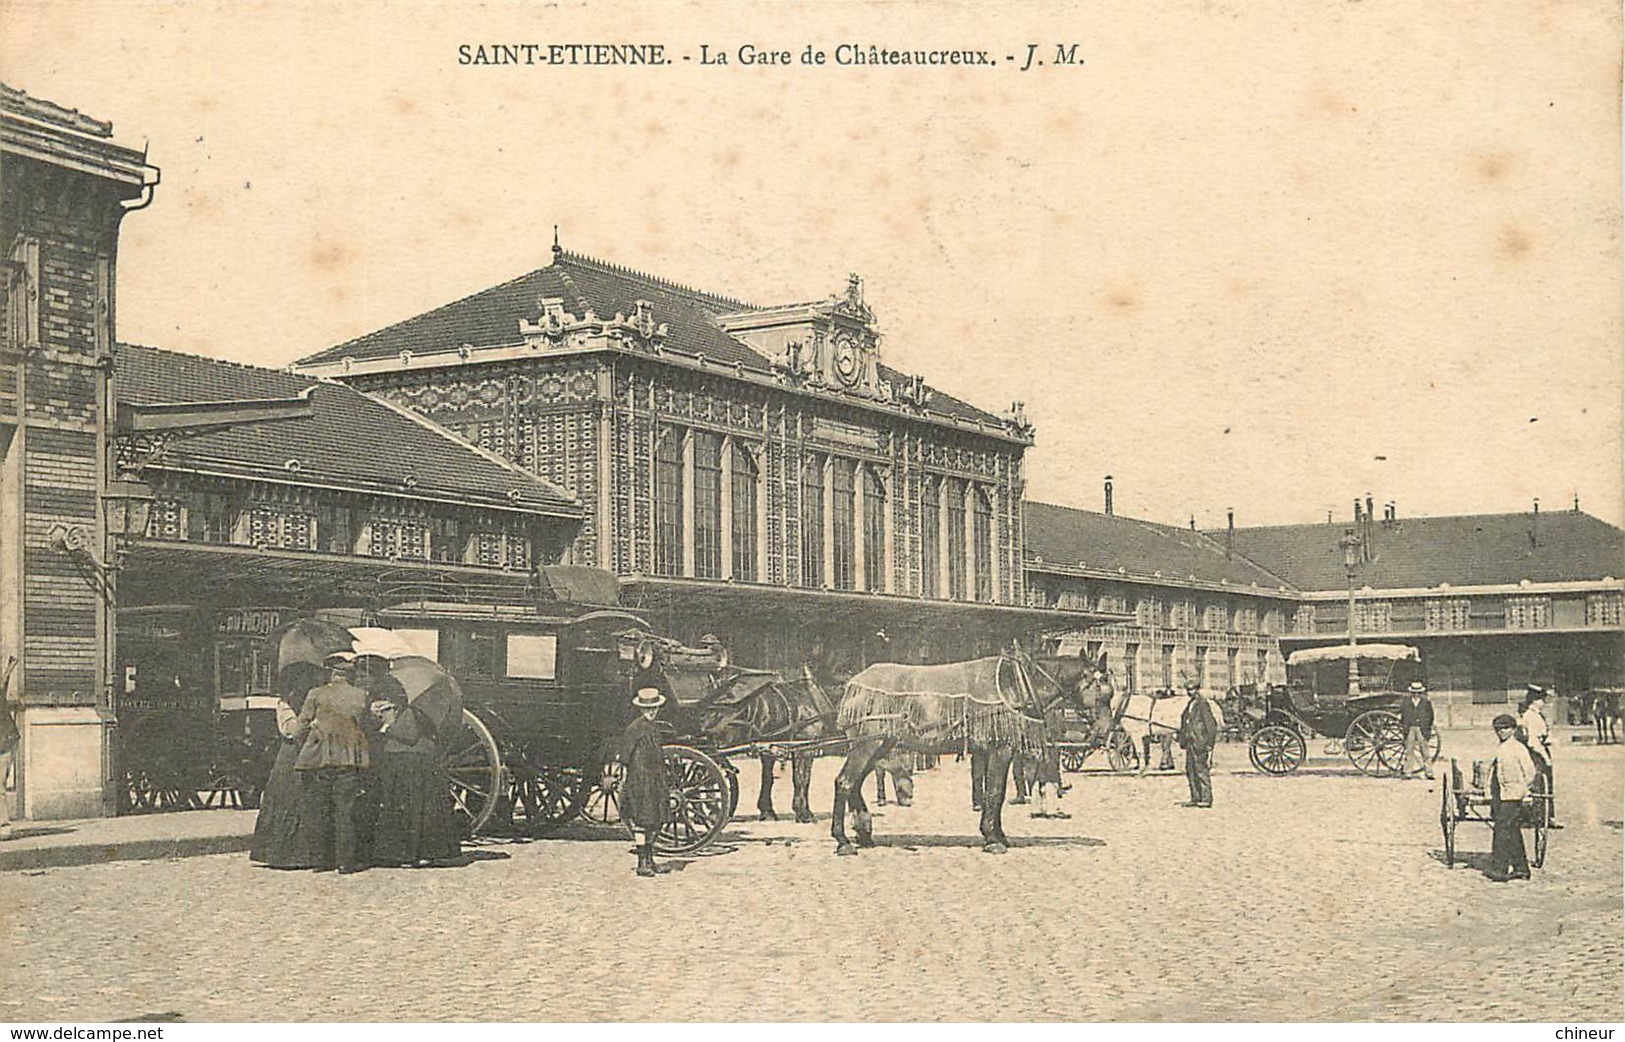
[{"x": 1350, "y": 545}]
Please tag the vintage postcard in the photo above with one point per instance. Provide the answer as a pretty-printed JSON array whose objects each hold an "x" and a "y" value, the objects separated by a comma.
[{"x": 715, "y": 513}]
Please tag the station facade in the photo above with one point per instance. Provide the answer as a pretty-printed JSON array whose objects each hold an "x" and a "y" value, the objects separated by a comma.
[{"x": 757, "y": 473}]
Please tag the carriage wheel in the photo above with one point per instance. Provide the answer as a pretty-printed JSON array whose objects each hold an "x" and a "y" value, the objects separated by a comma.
[
  {"x": 1540, "y": 819},
  {"x": 733, "y": 788},
  {"x": 474, "y": 772},
  {"x": 699, "y": 801},
  {"x": 1447, "y": 814},
  {"x": 1435, "y": 747},
  {"x": 549, "y": 795},
  {"x": 1121, "y": 753},
  {"x": 1072, "y": 760},
  {"x": 1277, "y": 750},
  {"x": 602, "y": 802},
  {"x": 1374, "y": 744}
]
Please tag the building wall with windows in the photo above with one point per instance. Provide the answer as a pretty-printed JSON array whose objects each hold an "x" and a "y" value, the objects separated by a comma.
[
  {"x": 1199, "y": 611},
  {"x": 1493, "y": 601},
  {"x": 712, "y": 441}
]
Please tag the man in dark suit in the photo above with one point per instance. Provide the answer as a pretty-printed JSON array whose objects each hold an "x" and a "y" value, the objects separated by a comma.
[
  {"x": 1416, "y": 723},
  {"x": 1198, "y": 732}
]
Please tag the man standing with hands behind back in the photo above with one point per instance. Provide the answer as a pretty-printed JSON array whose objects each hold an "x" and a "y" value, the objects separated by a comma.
[
  {"x": 1198, "y": 731},
  {"x": 1416, "y": 724}
]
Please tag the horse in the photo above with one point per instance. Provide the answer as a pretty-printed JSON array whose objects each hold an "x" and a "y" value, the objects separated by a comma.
[
  {"x": 995, "y": 705},
  {"x": 1605, "y": 714},
  {"x": 1154, "y": 717},
  {"x": 759, "y": 707},
  {"x": 1031, "y": 774}
]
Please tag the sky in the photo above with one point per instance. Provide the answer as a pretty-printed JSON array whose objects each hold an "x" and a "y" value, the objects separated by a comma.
[{"x": 1261, "y": 256}]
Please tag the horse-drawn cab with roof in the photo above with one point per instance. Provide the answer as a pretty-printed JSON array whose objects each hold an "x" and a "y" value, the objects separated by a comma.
[{"x": 1317, "y": 700}]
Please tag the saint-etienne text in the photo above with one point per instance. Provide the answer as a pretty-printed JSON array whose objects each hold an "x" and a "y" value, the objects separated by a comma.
[{"x": 754, "y": 56}]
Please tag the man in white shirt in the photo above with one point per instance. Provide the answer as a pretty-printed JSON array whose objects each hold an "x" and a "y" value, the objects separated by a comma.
[{"x": 1511, "y": 779}]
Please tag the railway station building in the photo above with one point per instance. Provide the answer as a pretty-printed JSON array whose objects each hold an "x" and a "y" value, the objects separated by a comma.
[{"x": 757, "y": 473}]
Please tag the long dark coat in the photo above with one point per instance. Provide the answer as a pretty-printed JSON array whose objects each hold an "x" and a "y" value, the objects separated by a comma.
[
  {"x": 1416, "y": 714},
  {"x": 646, "y": 788}
]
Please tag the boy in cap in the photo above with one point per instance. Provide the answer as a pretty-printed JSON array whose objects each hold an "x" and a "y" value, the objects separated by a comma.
[
  {"x": 1511, "y": 776},
  {"x": 1416, "y": 723},
  {"x": 645, "y": 787}
]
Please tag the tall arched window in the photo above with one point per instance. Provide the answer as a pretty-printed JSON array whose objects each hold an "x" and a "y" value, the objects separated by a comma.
[
  {"x": 956, "y": 539},
  {"x": 981, "y": 534},
  {"x": 669, "y": 502},
  {"x": 743, "y": 504},
  {"x": 874, "y": 532},
  {"x": 930, "y": 538},
  {"x": 707, "y": 505},
  {"x": 843, "y": 508},
  {"x": 812, "y": 522}
]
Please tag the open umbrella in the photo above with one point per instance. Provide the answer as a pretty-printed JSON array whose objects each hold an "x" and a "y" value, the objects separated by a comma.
[
  {"x": 308, "y": 640},
  {"x": 433, "y": 691},
  {"x": 371, "y": 640}
]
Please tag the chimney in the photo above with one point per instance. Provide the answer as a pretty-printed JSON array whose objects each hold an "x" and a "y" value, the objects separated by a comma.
[
  {"x": 1356, "y": 510},
  {"x": 1328, "y": 517},
  {"x": 1108, "y": 495},
  {"x": 1577, "y": 502},
  {"x": 1370, "y": 508},
  {"x": 1229, "y": 532},
  {"x": 1534, "y": 525},
  {"x": 1193, "y": 522}
]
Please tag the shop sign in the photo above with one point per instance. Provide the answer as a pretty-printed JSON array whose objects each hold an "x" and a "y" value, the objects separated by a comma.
[{"x": 248, "y": 622}]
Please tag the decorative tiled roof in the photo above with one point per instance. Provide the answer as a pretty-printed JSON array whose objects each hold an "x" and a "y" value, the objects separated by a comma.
[
  {"x": 1462, "y": 550},
  {"x": 491, "y": 317},
  {"x": 1069, "y": 540},
  {"x": 351, "y": 440}
]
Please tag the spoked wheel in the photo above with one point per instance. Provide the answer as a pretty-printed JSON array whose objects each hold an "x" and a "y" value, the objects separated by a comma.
[
  {"x": 699, "y": 801},
  {"x": 1072, "y": 760},
  {"x": 1277, "y": 750},
  {"x": 1121, "y": 752},
  {"x": 732, "y": 777},
  {"x": 1447, "y": 814},
  {"x": 1374, "y": 743},
  {"x": 601, "y": 804},
  {"x": 548, "y": 794},
  {"x": 474, "y": 772},
  {"x": 1435, "y": 747},
  {"x": 1540, "y": 819}
]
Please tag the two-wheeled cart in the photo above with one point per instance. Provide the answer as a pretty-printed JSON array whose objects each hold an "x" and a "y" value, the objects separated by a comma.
[{"x": 1468, "y": 799}]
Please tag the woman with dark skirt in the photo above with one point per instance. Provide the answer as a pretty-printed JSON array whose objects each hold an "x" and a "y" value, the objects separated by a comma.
[
  {"x": 416, "y": 824},
  {"x": 278, "y": 839}
]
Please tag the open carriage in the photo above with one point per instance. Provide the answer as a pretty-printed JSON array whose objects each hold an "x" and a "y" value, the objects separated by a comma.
[{"x": 1316, "y": 701}]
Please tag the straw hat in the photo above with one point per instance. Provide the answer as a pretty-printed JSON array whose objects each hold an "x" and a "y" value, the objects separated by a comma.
[{"x": 648, "y": 698}]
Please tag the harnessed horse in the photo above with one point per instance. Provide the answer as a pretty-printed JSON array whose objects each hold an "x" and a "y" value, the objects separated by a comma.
[
  {"x": 990, "y": 704},
  {"x": 1154, "y": 717},
  {"x": 758, "y": 707}
]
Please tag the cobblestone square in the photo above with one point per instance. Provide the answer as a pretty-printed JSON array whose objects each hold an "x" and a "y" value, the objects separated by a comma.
[{"x": 1320, "y": 896}]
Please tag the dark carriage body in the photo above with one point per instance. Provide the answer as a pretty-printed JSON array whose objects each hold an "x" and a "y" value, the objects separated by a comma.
[{"x": 549, "y": 687}]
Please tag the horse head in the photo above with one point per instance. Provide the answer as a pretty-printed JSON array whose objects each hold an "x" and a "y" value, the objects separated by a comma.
[{"x": 1083, "y": 684}]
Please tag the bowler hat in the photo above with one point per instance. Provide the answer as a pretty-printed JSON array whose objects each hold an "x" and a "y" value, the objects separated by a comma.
[
  {"x": 1505, "y": 720},
  {"x": 1418, "y": 687},
  {"x": 649, "y": 698}
]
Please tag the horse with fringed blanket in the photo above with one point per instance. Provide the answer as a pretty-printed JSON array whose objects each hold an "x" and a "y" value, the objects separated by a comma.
[{"x": 994, "y": 705}]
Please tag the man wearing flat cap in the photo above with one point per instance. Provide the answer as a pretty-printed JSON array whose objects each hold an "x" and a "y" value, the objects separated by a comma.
[
  {"x": 1416, "y": 724},
  {"x": 1512, "y": 776}
]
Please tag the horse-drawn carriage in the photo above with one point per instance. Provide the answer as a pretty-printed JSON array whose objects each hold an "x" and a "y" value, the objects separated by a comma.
[{"x": 1316, "y": 701}]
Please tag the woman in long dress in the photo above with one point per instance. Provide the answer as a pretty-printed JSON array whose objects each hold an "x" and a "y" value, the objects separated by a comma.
[
  {"x": 416, "y": 823},
  {"x": 278, "y": 839}
]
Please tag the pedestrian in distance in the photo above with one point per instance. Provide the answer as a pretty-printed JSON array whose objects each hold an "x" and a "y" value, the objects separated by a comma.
[
  {"x": 1416, "y": 724},
  {"x": 10, "y": 736},
  {"x": 1537, "y": 737},
  {"x": 1512, "y": 776},
  {"x": 645, "y": 786},
  {"x": 333, "y": 762},
  {"x": 1198, "y": 733}
]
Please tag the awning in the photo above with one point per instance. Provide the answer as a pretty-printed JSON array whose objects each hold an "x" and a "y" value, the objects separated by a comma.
[
  {"x": 782, "y": 606},
  {"x": 162, "y": 572}
]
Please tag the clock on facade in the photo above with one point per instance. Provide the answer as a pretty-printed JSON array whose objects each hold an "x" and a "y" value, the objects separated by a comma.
[{"x": 846, "y": 361}]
